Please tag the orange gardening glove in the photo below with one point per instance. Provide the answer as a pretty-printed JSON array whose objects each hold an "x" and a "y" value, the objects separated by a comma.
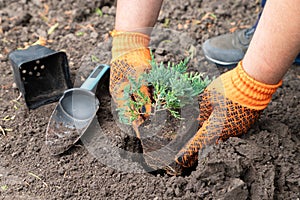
[
  {"x": 130, "y": 57},
  {"x": 228, "y": 107}
]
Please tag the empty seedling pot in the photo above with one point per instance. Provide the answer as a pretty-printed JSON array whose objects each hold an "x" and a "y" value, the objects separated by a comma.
[{"x": 41, "y": 74}]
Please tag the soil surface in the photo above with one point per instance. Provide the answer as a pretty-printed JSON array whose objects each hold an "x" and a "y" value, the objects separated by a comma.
[{"x": 263, "y": 164}]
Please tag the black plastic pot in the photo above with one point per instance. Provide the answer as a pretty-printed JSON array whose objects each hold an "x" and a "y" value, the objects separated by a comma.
[{"x": 41, "y": 74}]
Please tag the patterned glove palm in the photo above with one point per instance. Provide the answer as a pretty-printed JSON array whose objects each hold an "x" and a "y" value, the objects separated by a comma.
[
  {"x": 130, "y": 58},
  {"x": 228, "y": 107}
]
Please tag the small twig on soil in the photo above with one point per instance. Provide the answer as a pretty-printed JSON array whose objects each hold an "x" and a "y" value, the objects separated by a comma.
[
  {"x": 19, "y": 97},
  {"x": 94, "y": 58},
  {"x": 8, "y": 129},
  {"x": 5, "y": 130},
  {"x": 37, "y": 177},
  {"x": 44, "y": 14},
  {"x": 52, "y": 28},
  {"x": 41, "y": 41},
  {"x": 16, "y": 101},
  {"x": 8, "y": 118},
  {"x": 208, "y": 15},
  {"x": 2, "y": 131}
]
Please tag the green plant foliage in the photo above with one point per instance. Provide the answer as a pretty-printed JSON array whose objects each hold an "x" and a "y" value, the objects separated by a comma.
[
  {"x": 173, "y": 87},
  {"x": 99, "y": 12}
]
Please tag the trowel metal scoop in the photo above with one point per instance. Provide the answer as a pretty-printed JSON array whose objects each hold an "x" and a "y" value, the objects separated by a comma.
[{"x": 73, "y": 114}]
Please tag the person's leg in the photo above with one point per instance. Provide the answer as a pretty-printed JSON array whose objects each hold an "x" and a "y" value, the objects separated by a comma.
[
  {"x": 137, "y": 14},
  {"x": 229, "y": 49},
  {"x": 276, "y": 42},
  {"x": 134, "y": 16}
]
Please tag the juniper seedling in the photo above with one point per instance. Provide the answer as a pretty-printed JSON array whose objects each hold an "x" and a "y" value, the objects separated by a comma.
[{"x": 172, "y": 88}]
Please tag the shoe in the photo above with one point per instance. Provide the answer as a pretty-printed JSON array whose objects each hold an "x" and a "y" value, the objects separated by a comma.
[{"x": 228, "y": 49}]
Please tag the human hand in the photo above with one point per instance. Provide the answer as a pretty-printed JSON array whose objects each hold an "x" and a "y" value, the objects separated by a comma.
[
  {"x": 228, "y": 107},
  {"x": 130, "y": 58}
]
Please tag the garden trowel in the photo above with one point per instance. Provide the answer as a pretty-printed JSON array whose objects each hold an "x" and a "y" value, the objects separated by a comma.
[{"x": 73, "y": 114}]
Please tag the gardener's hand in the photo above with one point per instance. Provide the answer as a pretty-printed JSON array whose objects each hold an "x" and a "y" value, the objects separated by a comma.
[
  {"x": 228, "y": 107},
  {"x": 130, "y": 58}
]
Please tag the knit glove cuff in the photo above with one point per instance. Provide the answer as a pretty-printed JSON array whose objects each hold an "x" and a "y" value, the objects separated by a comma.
[
  {"x": 125, "y": 42},
  {"x": 239, "y": 87}
]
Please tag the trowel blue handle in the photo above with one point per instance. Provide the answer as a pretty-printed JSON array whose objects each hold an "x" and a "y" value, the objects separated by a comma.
[{"x": 91, "y": 82}]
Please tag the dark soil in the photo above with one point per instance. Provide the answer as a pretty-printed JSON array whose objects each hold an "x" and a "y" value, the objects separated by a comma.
[{"x": 264, "y": 164}]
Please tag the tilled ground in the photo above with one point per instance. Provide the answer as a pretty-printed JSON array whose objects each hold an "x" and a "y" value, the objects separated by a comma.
[{"x": 264, "y": 164}]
